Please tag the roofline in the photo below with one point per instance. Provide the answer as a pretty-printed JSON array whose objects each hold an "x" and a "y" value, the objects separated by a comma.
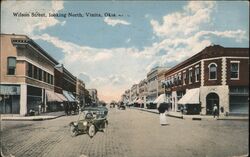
[{"x": 35, "y": 45}]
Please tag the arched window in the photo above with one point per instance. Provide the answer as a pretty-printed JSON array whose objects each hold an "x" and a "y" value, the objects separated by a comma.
[{"x": 212, "y": 71}]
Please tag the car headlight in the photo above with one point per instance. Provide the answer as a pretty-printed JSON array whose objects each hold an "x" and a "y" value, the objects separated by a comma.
[{"x": 85, "y": 123}]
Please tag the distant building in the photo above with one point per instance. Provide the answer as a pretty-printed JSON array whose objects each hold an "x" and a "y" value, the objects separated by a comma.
[
  {"x": 152, "y": 84},
  {"x": 80, "y": 86},
  {"x": 93, "y": 95},
  {"x": 215, "y": 76},
  {"x": 134, "y": 93},
  {"x": 143, "y": 92}
]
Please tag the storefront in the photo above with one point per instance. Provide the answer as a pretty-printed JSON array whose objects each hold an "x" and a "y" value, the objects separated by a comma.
[
  {"x": 239, "y": 100},
  {"x": 191, "y": 101},
  {"x": 9, "y": 99},
  {"x": 34, "y": 99}
]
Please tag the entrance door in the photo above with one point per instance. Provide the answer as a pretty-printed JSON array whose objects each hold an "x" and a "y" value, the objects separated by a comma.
[{"x": 212, "y": 98}]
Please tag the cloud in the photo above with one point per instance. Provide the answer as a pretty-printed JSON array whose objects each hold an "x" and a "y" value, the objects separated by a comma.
[
  {"x": 181, "y": 34},
  {"x": 114, "y": 22},
  {"x": 185, "y": 22},
  {"x": 28, "y": 25},
  {"x": 84, "y": 77},
  {"x": 76, "y": 52}
]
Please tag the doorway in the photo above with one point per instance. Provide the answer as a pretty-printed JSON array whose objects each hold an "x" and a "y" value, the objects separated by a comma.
[{"x": 211, "y": 99}]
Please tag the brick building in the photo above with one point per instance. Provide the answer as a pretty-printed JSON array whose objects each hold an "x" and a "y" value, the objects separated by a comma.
[
  {"x": 27, "y": 74},
  {"x": 216, "y": 75}
]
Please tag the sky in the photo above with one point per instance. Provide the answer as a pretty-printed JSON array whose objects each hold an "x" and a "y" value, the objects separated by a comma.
[{"x": 123, "y": 40}]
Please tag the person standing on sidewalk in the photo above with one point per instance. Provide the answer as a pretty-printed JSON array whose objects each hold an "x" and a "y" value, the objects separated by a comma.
[
  {"x": 215, "y": 111},
  {"x": 163, "y": 118}
]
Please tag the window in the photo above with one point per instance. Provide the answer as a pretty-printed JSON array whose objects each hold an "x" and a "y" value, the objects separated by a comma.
[
  {"x": 52, "y": 79},
  {"x": 48, "y": 78},
  {"x": 234, "y": 70},
  {"x": 212, "y": 71},
  {"x": 184, "y": 78},
  {"x": 11, "y": 65},
  {"x": 30, "y": 70},
  {"x": 197, "y": 74},
  {"x": 179, "y": 78},
  {"x": 35, "y": 72},
  {"x": 40, "y": 74},
  {"x": 44, "y": 76},
  {"x": 190, "y": 76}
]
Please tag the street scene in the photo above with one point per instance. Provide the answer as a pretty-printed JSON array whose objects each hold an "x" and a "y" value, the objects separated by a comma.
[
  {"x": 124, "y": 78},
  {"x": 130, "y": 133}
]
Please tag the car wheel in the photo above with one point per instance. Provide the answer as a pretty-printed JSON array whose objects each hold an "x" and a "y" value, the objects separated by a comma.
[
  {"x": 73, "y": 130},
  {"x": 91, "y": 130}
]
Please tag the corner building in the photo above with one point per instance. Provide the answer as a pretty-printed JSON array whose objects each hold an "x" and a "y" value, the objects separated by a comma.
[
  {"x": 216, "y": 75},
  {"x": 27, "y": 72}
]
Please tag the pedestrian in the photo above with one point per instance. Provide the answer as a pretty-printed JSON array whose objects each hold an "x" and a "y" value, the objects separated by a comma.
[
  {"x": 215, "y": 111},
  {"x": 182, "y": 109},
  {"x": 163, "y": 118}
]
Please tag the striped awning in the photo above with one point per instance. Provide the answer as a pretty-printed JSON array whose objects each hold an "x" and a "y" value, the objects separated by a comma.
[
  {"x": 52, "y": 97},
  {"x": 69, "y": 96},
  {"x": 62, "y": 97}
]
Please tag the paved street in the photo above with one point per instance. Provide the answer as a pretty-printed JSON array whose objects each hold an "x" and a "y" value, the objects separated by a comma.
[{"x": 131, "y": 133}]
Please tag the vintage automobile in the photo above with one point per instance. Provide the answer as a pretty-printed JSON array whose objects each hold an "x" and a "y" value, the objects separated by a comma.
[
  {"x": 90, "y": 120},
  {"x": 121, "y": 106}
]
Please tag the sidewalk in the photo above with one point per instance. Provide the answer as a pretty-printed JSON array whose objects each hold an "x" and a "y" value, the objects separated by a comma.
[
  {"x": 43, "y": 116},
  {"x": 193, "y": 117}
]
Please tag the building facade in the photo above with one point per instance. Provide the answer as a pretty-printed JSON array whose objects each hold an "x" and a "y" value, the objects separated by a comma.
[
  {"x": 80, "y": 86},
  {"x": 143, "y": 91},
  {"x": 215, "y": 76},
  {"x": 27, "y": 74},
  {"x": 93, "y": 95},
  {"x": 153, "y": 84},
  {"x": 134, "y": 93}
]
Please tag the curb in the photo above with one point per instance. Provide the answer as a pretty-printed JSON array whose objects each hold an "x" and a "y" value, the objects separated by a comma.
[
  {"x": 196, "y": 118},
  {"x": 33, "y": 119},
  {"x": 180, "y": 117}
]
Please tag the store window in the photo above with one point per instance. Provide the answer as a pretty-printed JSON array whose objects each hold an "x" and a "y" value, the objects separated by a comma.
[
  {"x": 234, "y": 73},
  {"x": 212, "y": 71},
  {"x": 11, "y": 65}
]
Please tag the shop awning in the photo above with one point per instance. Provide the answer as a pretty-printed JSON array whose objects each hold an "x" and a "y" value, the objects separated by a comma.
[
  {"x": 191, "y": 97},
  {"x": 134, "y": 101},
  {"x": 62, "y": 97},
  {"x": 161, "y": 99},
  {"x": 68, "y": 95},
  {"x": 52, "y": 97}
]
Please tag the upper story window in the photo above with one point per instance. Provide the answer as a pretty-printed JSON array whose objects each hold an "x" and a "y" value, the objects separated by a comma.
[
  {"x": 190, "y": 75},
  {"x": 234, "y": 70},
  {"x": 179, "y": 78},
  {"x": 11, "y": 66},
  {"x": 30, "y": 71},
  {"x": 197, "y": 74},
  {"x": 212, "y": 71},
  {"x": 184, "y": 78},
  {"x": 35, "y": 72},
  {"x": 40, "y": 74}
]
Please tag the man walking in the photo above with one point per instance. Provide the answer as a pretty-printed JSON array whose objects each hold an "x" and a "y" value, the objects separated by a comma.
[{"x": 215, "y": 111}]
